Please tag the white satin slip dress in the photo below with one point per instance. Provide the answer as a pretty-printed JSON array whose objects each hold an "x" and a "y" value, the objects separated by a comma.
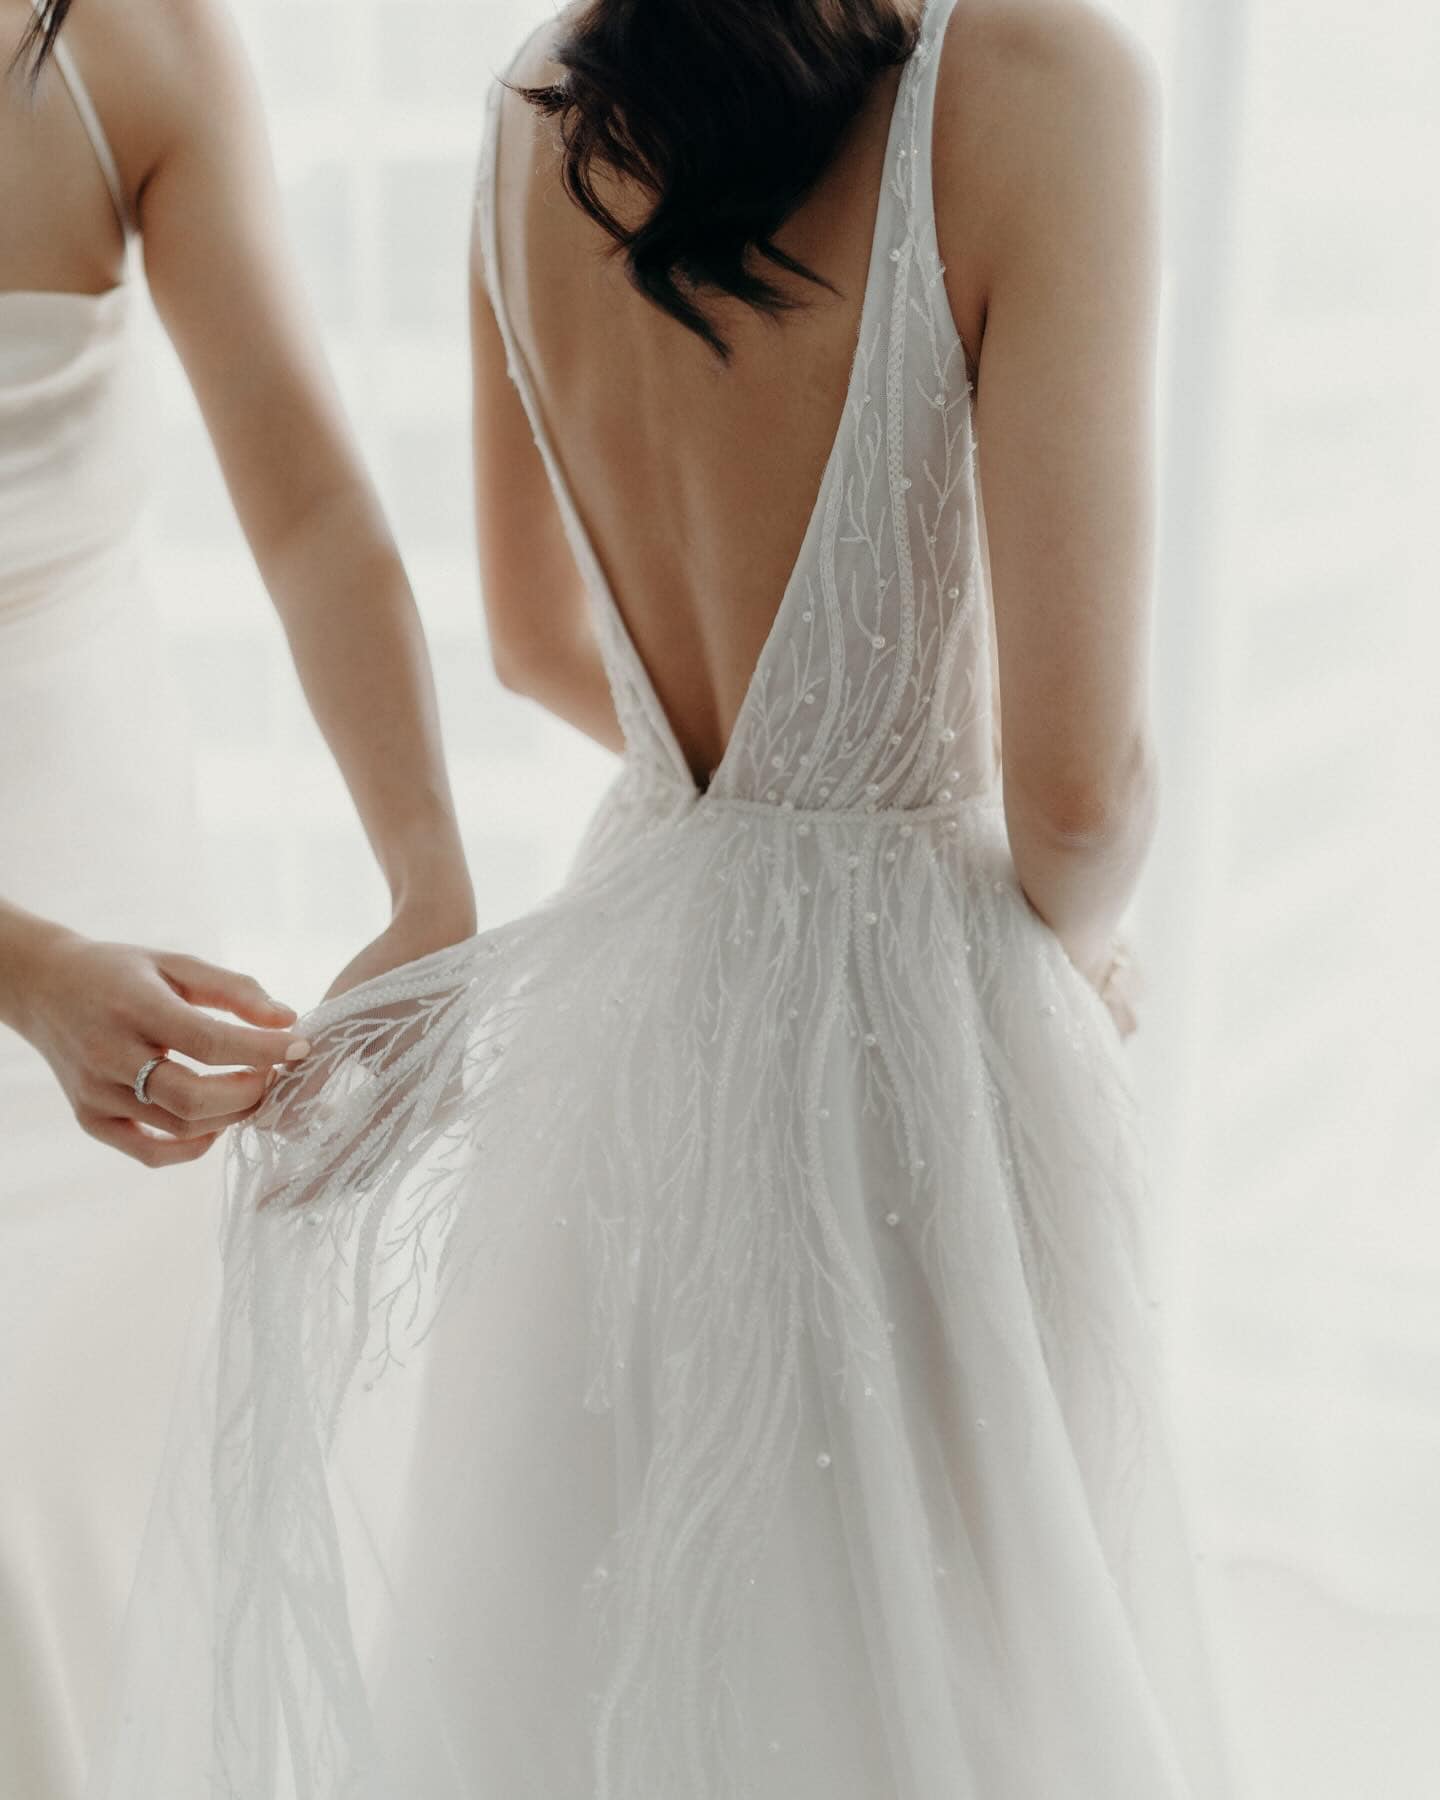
[{"x": 96, "y": 831}]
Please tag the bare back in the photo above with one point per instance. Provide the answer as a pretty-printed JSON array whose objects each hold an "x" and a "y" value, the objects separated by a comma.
[
  {"x": 692, "y": 483},
  {"x": 695, "y": 481}
]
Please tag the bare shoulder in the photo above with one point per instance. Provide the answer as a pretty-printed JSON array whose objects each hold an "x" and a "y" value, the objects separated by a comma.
[
  {"x": 193, "y": 48},
  {"x": 162, "y": 68},
  {"x": 1047, "y": 125},
  {"x": 1020, "y": 62},
  {"x": 530, "y": 65},
  {"x": 1051, "y": 35}
]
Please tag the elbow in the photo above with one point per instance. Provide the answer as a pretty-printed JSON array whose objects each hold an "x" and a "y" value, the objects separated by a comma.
[{"x": 1099, "y": 810}]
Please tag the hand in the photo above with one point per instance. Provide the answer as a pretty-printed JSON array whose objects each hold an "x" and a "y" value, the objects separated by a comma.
[
  {"x": 416, "y": 930},
  {"x": 1119, "y": 984},
  {"x": 97, "y": 1012}
]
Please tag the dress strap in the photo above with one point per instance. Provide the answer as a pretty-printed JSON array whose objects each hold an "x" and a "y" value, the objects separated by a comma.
[
  {"x": 934, "y": 20},
  {"x": 94, "y": 130}
]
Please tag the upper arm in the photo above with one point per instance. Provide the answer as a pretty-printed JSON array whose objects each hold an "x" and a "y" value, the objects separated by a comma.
[
  {"x": 1050, "y": 198},
  {"x": 219, "y": 266},
  {"x": 533, "y": 594}
]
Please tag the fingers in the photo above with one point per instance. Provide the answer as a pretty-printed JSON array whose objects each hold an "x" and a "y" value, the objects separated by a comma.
[
  {"x": 197, "y": 1099},
  {"x": 192, "y": 1110},
  {"x": 130, "y": 1140},
  {"x": 124, "y": 1105},
  {"x": 206, "y": 984},
  {"x": 1123, "y": 1013},
  {"x": 222, "y": 1044},
  {"x": 219, "y": 1042}
]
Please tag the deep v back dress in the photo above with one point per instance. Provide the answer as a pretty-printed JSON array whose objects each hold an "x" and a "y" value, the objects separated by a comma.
[{"x": 694, "y": 1341}]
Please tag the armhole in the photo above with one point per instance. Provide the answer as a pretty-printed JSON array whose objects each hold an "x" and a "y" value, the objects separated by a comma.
[{"x": 94, "y": 130}]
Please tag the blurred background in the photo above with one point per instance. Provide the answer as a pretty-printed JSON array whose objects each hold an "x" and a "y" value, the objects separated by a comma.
[{"x": 1289, "y": 1053}]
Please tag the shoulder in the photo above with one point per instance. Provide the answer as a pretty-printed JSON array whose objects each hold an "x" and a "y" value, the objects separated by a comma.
[
  {"x": 520, "y": 125},
  {"x": 529, "y": 64},
  {"x": 1040, "y": 55},
  {"x": 1047, "y": 124},
  {"x": 162, "y": 69},
  {"x": 532, "y": 62},
  {"x": 1026, "y": 87},
  {"x": 193, "y": 49}
]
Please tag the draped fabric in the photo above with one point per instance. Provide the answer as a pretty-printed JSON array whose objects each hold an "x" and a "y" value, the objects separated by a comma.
[{"x": 97, "y": 831}]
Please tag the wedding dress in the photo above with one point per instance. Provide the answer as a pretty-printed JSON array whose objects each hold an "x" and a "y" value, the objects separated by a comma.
[
  {"x": 96, "y": 831},
  {"x": 694, "y": 1341}
]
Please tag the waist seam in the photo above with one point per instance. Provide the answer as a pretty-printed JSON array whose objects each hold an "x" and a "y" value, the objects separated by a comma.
[{"x": 780, "y": 811}]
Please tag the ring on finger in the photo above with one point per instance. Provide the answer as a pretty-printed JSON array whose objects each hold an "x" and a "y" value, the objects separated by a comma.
[{"x": 141, "y": 1083}]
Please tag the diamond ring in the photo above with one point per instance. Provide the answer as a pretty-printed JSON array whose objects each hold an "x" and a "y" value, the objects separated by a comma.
[{"x": 142, "y": 1080}]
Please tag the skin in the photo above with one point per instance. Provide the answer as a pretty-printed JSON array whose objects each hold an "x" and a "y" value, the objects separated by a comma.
[
  {"x": 1045, "y": 176},
  {"x": 172, "y": 85},
  {"x": 96, "y": 1012}
]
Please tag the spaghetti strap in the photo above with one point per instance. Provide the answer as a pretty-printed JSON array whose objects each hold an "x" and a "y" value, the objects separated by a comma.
[{"x": 94, "y": 130}]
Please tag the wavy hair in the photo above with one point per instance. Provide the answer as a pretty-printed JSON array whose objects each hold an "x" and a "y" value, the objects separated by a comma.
[{"x": 725, "y": 113}]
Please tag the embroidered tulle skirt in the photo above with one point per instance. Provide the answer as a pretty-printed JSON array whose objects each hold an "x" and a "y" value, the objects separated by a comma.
[{"x": 691, "y": 1342}]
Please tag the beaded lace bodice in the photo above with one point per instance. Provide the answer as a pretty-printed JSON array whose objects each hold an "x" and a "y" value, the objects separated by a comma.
[{"x": 874, "y": 687}]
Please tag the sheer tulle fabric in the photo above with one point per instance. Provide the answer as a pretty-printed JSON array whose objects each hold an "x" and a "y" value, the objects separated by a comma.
[
  {"x": 693, "y": 1342},
  {"x": 787, "y": 1423}
]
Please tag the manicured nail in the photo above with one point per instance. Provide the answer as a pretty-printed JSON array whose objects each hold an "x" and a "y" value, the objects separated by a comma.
[{"x": 297, "y": 1051}]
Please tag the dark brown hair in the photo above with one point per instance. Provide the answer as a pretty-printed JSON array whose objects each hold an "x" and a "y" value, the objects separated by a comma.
[
  {"x": 726, "y": 113},
  {"x": 37, "y": 41}
]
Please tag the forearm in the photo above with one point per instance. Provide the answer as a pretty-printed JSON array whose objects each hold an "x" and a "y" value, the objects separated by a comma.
[
  {"x": 24, "y": 940},
  {"x": 1080, "y": 880},
  {"x": 358, "y": 648}
]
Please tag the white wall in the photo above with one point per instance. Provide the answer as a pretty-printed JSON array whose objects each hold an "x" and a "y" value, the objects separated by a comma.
[{"x": 1292, "y": 1055}]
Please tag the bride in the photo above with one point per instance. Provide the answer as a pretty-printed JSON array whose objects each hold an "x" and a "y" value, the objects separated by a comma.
[
  {"x": 694, "y": 1341},
  {"x": 122, "y": 124}
]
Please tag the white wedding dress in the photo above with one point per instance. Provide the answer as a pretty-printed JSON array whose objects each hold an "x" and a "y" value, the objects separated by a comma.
[
  {"x": 96, "y": 830},
  {"x": 695, "y": 1342}
]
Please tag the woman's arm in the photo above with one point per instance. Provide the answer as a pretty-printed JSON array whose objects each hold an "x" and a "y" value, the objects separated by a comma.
[
  {"x": 542, "y": 643},
  {"x": 225, "y": 287},
  {"x": 98, "y": 1012},
  {"x": 1047, "y": 178}
]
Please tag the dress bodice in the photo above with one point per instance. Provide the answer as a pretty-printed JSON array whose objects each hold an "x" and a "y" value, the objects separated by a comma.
[
  {"x": 73, "y": 449},
  {"x": 72, "y": 468},
  {"x": 875, "y": 686}
]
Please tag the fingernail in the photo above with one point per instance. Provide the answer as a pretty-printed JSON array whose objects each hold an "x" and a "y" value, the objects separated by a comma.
[{"x": 298, "y": 1050}]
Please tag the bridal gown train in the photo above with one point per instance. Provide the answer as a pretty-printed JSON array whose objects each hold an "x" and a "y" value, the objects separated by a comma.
[
  {"x": 694, "y": 1341},
  {"x": 102, "y": 1257}
]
